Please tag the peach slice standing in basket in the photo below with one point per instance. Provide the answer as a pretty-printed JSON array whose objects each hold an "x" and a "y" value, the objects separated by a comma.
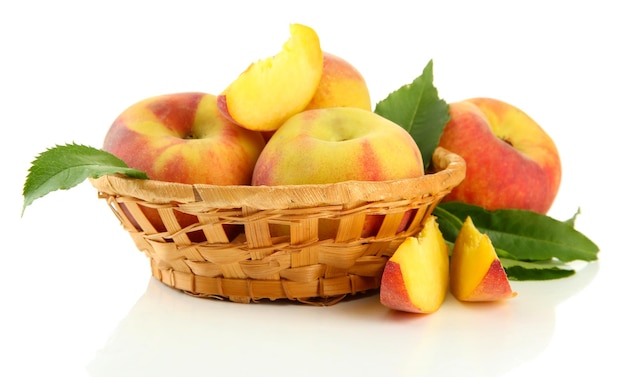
[{"x": 270, "y": 91}]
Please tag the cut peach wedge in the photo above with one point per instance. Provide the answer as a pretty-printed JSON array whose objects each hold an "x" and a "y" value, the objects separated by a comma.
[
  {"x": 476, "y": 273},
  {"x": 415, "y": 278},
  {"x": 270, "y": 91}
]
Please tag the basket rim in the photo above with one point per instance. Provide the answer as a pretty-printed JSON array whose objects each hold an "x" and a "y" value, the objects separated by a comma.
[{"x": 449, "y": 169}]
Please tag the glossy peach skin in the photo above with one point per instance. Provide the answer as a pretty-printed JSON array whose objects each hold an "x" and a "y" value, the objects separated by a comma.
[
  {"x": 415, "y": 278},
  {"x": 335, "y": 145},
  {"x": 511, "y": 161},
  {"x": 341, "y": 85},
  {"x": 182, "y": 137},
  {"x": 476, "y": 273},
  {"x": 270, "y": 91}
]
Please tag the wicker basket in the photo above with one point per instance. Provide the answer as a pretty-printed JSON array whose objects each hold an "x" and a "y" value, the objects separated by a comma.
[{"x": 311, "y": 243}]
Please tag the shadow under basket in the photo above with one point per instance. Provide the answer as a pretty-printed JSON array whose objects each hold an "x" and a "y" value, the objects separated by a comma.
[{"x": 311, "y": 243}]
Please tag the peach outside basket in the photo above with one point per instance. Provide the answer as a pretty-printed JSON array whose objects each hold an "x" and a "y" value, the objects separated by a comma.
[{"x": 311, "y": 243}]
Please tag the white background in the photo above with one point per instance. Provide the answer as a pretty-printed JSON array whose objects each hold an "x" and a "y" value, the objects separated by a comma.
[{"x": 77, "y": 298}]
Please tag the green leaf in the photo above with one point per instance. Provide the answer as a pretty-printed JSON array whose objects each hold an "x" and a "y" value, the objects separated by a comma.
[
  {"x": 63, "y": 167},
  {"x": 572, "y": 220},
  {"x": 418, "y": 109},
  {"x": 449, "y": 224},
  {"x": 527, "y": 235},
  {"x": 520, "y": 270},
  {"x": 530, "y": 246}
]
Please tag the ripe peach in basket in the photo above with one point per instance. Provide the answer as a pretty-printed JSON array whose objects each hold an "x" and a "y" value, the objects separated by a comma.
[
  {"x": 183, "y": 138},
  {"x": 341, "y": 85},
  {"x": 337, "y": 144}
]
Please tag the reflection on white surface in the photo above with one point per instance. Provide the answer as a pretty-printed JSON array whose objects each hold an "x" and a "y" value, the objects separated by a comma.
[{"x": 168, "y": 333}]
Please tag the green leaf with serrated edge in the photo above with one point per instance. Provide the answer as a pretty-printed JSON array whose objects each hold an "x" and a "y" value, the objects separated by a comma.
[
  {"x": 65, "y": 166},
  {"x": 527, "y": 235},
  {"x": 417, "y": 108}
]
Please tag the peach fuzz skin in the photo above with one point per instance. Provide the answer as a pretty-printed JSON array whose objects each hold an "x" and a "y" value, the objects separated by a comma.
[
  {"x": 341, "y": 85},
  {"x": 494, "y": 286},
  {"x": 399, "y": 298},
  {"x": 511, "y": 161},
  {"x": 183, "y": 138},
  {"x": 337, "y": 144}
]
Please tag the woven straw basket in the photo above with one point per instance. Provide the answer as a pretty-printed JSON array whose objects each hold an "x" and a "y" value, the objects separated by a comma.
[{"x": 311, "y": 243}]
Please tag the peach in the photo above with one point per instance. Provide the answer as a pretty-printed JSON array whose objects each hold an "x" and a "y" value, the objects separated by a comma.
[
  {"x": 341, "y": 85},
  {"x": 270, "y": 91},
  {"x": 337, "y": 144},
  {"x": 476, "y": 273},
  {"x": 415, "y": 278},
  {"x": 183, "y": 138},
  {"x": 511, "y": 161}
]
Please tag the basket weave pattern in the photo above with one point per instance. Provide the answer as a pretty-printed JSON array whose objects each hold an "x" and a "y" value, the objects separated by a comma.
[{"x": 311, "y": 243}]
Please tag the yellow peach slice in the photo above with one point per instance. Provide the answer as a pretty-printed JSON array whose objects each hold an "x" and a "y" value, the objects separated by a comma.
[
  {"x": 476, "y": 273},
  {"x": 270, "y": 91},
  {"x": 415, "y": 278}
]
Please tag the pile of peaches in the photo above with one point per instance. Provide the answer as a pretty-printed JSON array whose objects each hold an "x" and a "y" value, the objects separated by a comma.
[{"x": 304, "y": 116}]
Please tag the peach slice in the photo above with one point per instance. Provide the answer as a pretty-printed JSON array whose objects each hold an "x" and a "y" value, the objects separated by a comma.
[
  {"x": 415, "y": 278},
  {"x": 476, "y": 273},
  {"x": 270, "y": 91}
]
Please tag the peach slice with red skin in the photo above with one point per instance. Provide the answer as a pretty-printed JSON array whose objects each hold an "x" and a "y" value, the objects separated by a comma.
[
  {"x": 270, "y": 91},
  {"x": 476, "y": 273},
  {"x": 415, "y": 278}
]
